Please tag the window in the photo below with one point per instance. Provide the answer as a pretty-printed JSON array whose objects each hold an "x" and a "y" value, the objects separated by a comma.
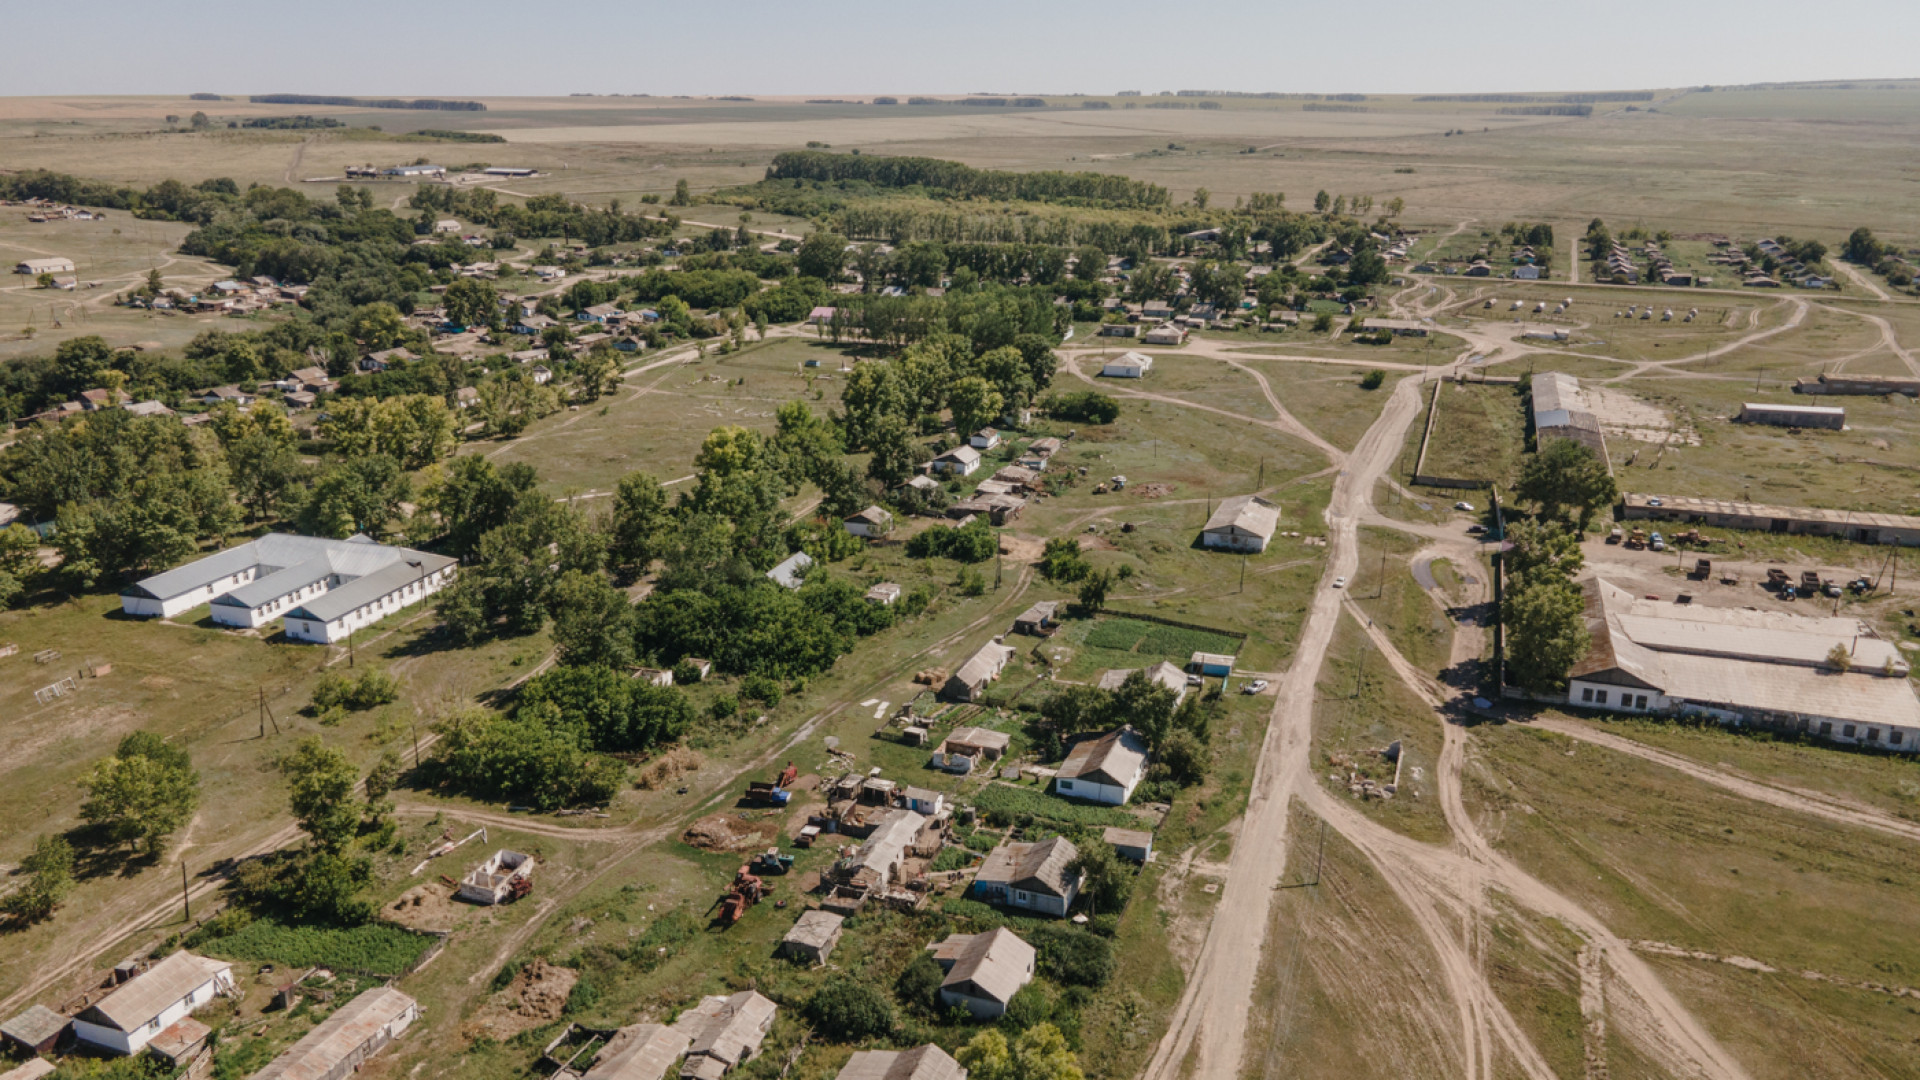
[
  {"x": 1066, "y": 785},
  {"x": 1600, "y": 697},
  {"x": 1586, "y": 693},
  {"x": 1847, "y": 731},
  {"x": 1894, "y": 736},
  {"x": 1826, "y": 727},
  {"x": 1640, "y": 701},
  {"x": 1873, "y": 734}
]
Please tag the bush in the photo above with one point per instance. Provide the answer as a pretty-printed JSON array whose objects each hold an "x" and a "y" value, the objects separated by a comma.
[
  {"x": 951, "y": 858},
  {"x": 849, "y": 1011},
  {"x": 335, "y": 690},
  {"x": 686, "y": 673},
  {"x": 1072, "y": 957},
  {"x": 1372, "y": 379},
  {"x": 973, "y": 542},
  {"x": 919, "y": 984},
  {"x": 1032, "y": 1005},
  {"x": 375, "y": 947},
  {"x": 1087, "y": 407},
  {"x": 1007, "y": 803},
  {"x": 760, "y": 688},
  {"x": 723, "y": 707}
]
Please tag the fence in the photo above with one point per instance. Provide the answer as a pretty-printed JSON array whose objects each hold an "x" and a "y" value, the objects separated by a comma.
[{"x": 1420, "y": 476}]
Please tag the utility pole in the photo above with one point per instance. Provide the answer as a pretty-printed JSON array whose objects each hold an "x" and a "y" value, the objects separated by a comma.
[
  {"x": 1243, "y": 573},
  {"x": 186, "y": 899},
  {"x": 414, "y": 729}
]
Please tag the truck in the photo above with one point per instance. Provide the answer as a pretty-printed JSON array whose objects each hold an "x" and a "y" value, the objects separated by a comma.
[
  {"x": 1637, "y": 539},
  {"x": 1776, "y": 577},
  {"x": 1810, "y": 583},
  {"x": 767, "y": 793},
  {"x": 1703, "y": 568}
]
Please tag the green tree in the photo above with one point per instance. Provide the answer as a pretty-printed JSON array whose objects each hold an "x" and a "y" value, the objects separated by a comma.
[
  {"x": 1038, "y": 1053},
  {"x": 472, "y": 302},
  {"x": 19, "y": 562},
  {"x": 975, "y": 404},
  {"x": 682, "y": 194},
  {"x": 320, "y": 791},
  {"x": 1565, "y": 474},
  {"x": 265, "y": 471},
  {"x": 1863, "y": 247},
  {"x": 1542, "y": 547},
  {"x": 379, "y": 326},
  {"x": 896, "y": 456},
  {"x": 823, "y": 255},
  {"x": 1322, "y": 202},
  {"x": 1201, "y": 196},
  {"x": 640, "y": 516},
  {"x": 143, "y": 794},
  {"x": 1094, "y": 589},
  {"x": 49, "y": 873},
  {"x": 1062, "y": 563},
  {"x": 848, "y": 1011},
  {"x": 471, "y": 496},
  {"x": 1106, "y": 881},
  {"x": 598, "y": 373},
  {"x": 358, "y": 495},
  {"x": 1545, "y": 631},
  {"x": 592, "y": 621},
  {"x": 919, "y": 983}
]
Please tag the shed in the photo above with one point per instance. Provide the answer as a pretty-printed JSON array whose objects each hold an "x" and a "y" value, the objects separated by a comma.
[
  {"x": 873, "y": 523},
  {"x": 976, "y": 742},
  {"x": 1128, "y": 365},
  {"x": 44, "y": 266},
  {"x": 923, "y": 800},
  {"x": 1038, "y": 619},
  {"x": 984, "y": 439},
  {"x": 1242, "y": 523},
  {"x": 1800, "y": 416},
  {"x": 726, "y": 1031},
  {"x": 927, "y": 1062},
  {"x": 1206, "y": 663},
  {"x": 639, "y": 1052},
  {"x": 813, "y": 937},
  {"x": 34, "y": 1031},
  {"x": 345, "y": 1040},
  {"x": 983, "y": 667},
  {"x": 885, "y": 594},
  {"x": 1135, "y": 844}
]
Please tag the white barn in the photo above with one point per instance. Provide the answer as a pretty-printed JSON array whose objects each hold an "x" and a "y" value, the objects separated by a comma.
[
  {"x": 1128, "y": 365},
  {"x": 125, "y": 1021},
  {"x": 323, "y": 589},
  {"x": 1242, "y": 523}
]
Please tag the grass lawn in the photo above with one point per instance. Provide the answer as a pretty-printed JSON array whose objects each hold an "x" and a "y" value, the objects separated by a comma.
[
  {"x": 1480, "y": 433},
  {"x": 1418, "y": 629},
  {"x": 375, "y": 948},
  {"x": 1361, "y": 706}
]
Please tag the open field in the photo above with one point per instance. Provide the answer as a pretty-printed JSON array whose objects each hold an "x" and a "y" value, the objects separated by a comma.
[
  {"x": 1479, "y": 434},
  {"x": 1595, "y": 825},
  {"x": 1360, "y": 709}
]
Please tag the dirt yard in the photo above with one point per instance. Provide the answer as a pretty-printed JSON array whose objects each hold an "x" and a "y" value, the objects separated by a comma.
[
  {"x": 537, "y": 995},
  {"x": 733, "y": 830},
  {"x": 428, "y": 906}
]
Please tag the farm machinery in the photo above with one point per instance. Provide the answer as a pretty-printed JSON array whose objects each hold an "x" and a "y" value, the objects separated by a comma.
[
  {"x": 747, "y": 891},
  {"x": 771, "y": 862}
]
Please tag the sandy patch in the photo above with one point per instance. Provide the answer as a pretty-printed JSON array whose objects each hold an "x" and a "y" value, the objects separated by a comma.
[
  {"x": 428, "y": 906},
  {"x": 733, "y": 831},
  {"x": 537, "y": 995}
]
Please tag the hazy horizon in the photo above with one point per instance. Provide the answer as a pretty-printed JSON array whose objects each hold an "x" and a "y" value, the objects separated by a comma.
[{"x": 858, "y": 47}]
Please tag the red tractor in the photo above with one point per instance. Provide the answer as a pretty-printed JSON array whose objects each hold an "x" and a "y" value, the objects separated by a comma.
[{"x": 747, "y": 891}]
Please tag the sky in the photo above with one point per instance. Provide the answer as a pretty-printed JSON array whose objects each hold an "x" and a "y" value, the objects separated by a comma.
[{"x": 846, "y": 47}]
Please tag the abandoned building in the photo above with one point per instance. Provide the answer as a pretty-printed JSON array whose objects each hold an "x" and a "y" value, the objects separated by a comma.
[{"x": 344, "y": 1041}]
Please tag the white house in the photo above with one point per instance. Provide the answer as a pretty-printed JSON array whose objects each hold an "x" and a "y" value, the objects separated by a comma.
[
  {"x": 44, "y": 266},
  {"x": 1128, "y": 365},
  {"x": 873, "y": 523},
  {"x": 1104, "y": 770},
  {"x": 983, "y": 971},
  {"x": 324, "y": 589},
  {"x": 1242, "y": 523},
  {"x": 446, "y": 225},
  {"x": 1032, "y": 876},
  {"x": 984, "y": 439},
  {"x": 962, "y": 460},
  {"x": 125, "y": 1021}
]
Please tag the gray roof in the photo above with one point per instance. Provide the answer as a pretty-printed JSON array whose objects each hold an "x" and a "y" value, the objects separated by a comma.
[
  {"x": 985, "y": 665},
  {"x": 927, "y": 1062},
  {"x": 1134, "y": 838},
  {"x": 996, "y": 962},
  {"x": 35, "y": 1068},
  {"x": 269, "y": 554},
  {"x": 727, "y": 1030},
  {"x": 639, "y": 1052},
  {"x": 1246, "y": 513},
  {"x": 1115, "y": 757},
  {"x": 340, "y": 1036},
  {"x": 1039, "y": 867},
  {"x": 35, "y": 1026},
  {"x": 816, "y": 929},
  {"x": 788, "y": 572},
  {"x": 407, "y": 566},
  {"x": 272, "y": 586},
  {"x": 150, "y": 993}
]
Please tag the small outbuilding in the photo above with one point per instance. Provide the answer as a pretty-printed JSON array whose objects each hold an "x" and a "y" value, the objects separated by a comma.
[
  {"x": 1801, "y": 416},
  {"x": 342, "y": 1042},
  {"x": 1128, "y": 365},
  {"x": 1243, "y": 523},
  {"x": 639, "y": 1052},
  {"x": 970, "y": 681},
  {"x": 496, "y": 880},
  {"x": 37, "y": 267},
  {"x": 983, "y": 971},
  {"x": 1037, "y": 620},
  {"x": 1133, "y": 844},
  {"x": 886, "y": 594},
  {"x": 813, "y": 936},
  {"x": 789, "y": 574},
  {"x": 984, "y": 439},
  {"x": 873, "y": 523},
  {"x": 1206, "y": 663},
  {"x": 927, "y": 1062},
  {"x": 35, "y": 1031},
  {"x": 726, "y": 1032}
]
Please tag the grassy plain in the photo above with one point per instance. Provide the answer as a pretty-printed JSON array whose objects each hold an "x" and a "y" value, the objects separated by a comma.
[
  {"x": 1479, "y": 434},
  {"x": 1360, "y": 708},
  {"x": 1727, "y": 878}
]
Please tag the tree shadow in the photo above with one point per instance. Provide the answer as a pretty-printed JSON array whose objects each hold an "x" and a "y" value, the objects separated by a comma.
[{"x": 96, "y": 854}]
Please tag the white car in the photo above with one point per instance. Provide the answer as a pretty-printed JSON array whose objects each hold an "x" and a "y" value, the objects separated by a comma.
[
  {"x": 1254, "y": 687},
  {"x": 1340, "y": 582},
  {"x": 1467, "y": 506}
]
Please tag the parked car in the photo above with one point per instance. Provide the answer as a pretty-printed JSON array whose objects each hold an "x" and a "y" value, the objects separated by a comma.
[
  {"x": 1657, "y": 543},
  {"x": 1254, "y": 687},
  {"x": 1476, "y": 529},
  {"x": 1340, "y": 582},
  {"x": 1467, "y": 506},
  {"x": 1653, "y": 502}
]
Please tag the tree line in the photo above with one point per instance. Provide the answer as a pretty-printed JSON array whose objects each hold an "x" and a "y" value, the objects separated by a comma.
[{"x": 953, "y": 178}]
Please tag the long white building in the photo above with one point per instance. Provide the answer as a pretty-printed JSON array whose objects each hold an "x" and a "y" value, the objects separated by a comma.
[
  {"x": 322, "y": 589},
  {"x": 1740, "y": 665}
]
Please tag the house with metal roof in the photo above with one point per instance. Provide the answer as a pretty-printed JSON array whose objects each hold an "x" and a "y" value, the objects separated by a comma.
[
  {"x": 961, "y": 460},
  {"x": 1242, "y": 523},
  {"x": 790, "y": 574},
  {"x": 322, "y": 588},
  {"x": 340, "y": 1044},
  {"x": 150, "y": 1003},
  {"x": 971, "y": 679},
  {"x": 639, "y": 1052},
  {"x": 873, "y": 523},
  {"x": 1738, "y": 665},
  {"x": 1128, "y": 365},
  {"x": 1164, "y": 673},
  {"x": 1106, "y": 769},
  {"x": 1031, "y": 876},
  {"x": 725, "y": 1032},
  {"x": 927, "y": 1062},
  {"x": 983, "y": 971},
  {"x": 813, "y": 936}
]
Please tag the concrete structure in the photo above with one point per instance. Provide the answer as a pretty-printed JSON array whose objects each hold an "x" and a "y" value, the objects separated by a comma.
[
  {"x": 1560, "y": 412},
  {"x": 961, "y": 460},
  {"x": 1166, "y": 674},
  {"x": 44, "y": 266},
  {"x": 726, "y": 1031},
  {"x": 1858, "y": 385},
  {"x": 1765, "y": 668},
  {"x": 886, "y": 594},
  {"x": 788, "y": 574},
  {"x": 1397, "y": 327},
  {"x": 965, "y": 747},
  {"x": 639, "y": 1052},
  {"x": 322, "y": 589},
  {"x": 343, "y": 1041},
  {"x": 970, "y": 681},
  {"x": 492, "y": 881},
  {"x": 1128, "y": 365},
  {"x": 1134, "y": 844},
  {"x": 1104, "y": 770},
  {"x": 1242, "y": 523},
  {"x": 1858, "y": 526},
  {"x": 813, "y": 936},
  {"x": 1166, "y": 334},
  {"x": 923, "y": 800},
  {"x": 125, "y": 1021},
  {"x": 873, "y": 523},
  {"x": 1799, "y": 416},
  {"x": 1030, "y": 876},
  {"x": 1037, "y": 620},
  {"x": 983, "y": 971},
  {"x": 927, "y": 1062}
]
